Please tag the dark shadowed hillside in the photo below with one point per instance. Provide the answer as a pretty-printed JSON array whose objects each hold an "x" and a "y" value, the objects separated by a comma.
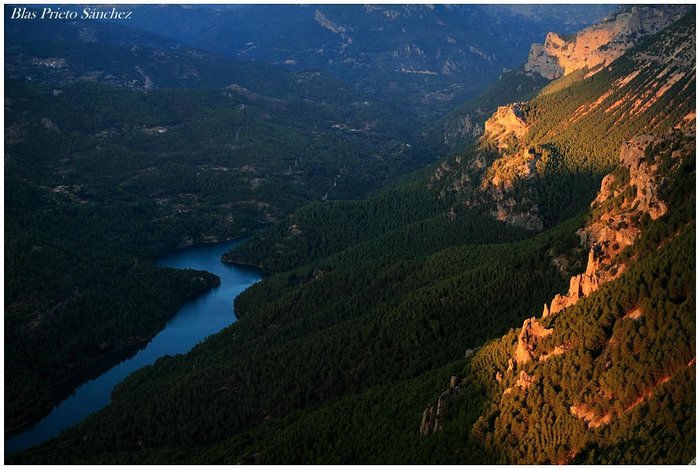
[{"x": 121, "y": 146}]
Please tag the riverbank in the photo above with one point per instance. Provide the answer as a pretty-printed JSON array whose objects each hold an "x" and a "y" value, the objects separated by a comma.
[
  {"x": 199, "y": 315},
  {"x": 94, "y": 368}
]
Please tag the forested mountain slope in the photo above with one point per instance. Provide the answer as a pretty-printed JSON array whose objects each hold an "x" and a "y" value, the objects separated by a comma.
[
  {"x": 540, "y": 161},
  {"x": 305, "y": 343},
  {"x": 124, "y": 57},
  {"x": 574, "y": 55},
  {"x": 121, "y": 146},
  {"x": 409, "y": 340},
  {"x": 607, "y": 373}
]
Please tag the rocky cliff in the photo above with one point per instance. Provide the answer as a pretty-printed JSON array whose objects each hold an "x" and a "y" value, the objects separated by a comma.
[
  {"x": 624, "y": 199},
  {"x": 491, "y": 180},
  {"x": 600, "y": 44},
  {"x": 628, "y": 198},
  {"x": 507, "y": 121},
  {"x": 431, "y": 416},
  {"x": 528, "y": 149},
  {"x": 613, "y": 355}
]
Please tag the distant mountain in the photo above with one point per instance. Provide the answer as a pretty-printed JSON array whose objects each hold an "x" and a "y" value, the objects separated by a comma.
[
  {"x": 585, "y": 52},
  {"x": 598, "y": 45},
  {"x": 127, "y": 57},
  {"x": 568, "y": 17},
  {"x": 423, "y": 58},
  {"x": 565, "y": 130}
]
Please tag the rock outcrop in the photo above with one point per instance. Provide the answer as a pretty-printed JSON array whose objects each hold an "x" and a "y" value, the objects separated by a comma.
[
  {"x": 516, "y": 215},
  {"x": 531, "y": 332},
  {"x": 642, "y": 177},
  {"x": 507, "y": 120},
  {"x": 618, "y": 209},
  {"x": 460, "y": 127},
  {"x": 431, "y": 415},
  {"x": 500, "y": 180},
  {"x": 625, "y": 197},
  {"x": 579, "y": 286},
  {"x": 617, "y": 225},
  {"x": 600, "y": 44}
]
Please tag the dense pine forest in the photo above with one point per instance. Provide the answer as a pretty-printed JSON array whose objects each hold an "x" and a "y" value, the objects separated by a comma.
[
  {"x": 133, "y": 175},
  {"x": 401, "y": 320}
]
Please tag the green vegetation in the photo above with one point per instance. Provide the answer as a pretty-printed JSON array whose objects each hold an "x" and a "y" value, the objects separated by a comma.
[
  {"x": 457, "y": 51},
  {"x": 372, "y": 303},
  {"x": 218, "y": 156},
  {"x": 321, "y": 229},
  {"x": 299, "y": 343},
  {"x": 100, "y": 179},
  {"x": 579, "y": 125},
  {"x": 635, "y": 370},
  {"x": 308, "y": 377},
  {"x": 512, "y": 86},
  {"x": 563, "y": 82},
  {"x": 589, "y": 120},
  {"x": 97, "y": 304}
]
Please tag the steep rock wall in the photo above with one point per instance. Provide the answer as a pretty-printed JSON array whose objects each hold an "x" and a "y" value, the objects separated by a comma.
[{"x": 600, "y": 44}]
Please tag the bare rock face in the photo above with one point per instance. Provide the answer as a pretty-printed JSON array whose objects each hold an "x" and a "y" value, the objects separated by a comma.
[
  {"x": 429, "y": 424},
  {"x": 642, "y": 177},
  {"x": 505, "y": 121},
  {"x": 579, "y": 286},
  {"x": 615, "y": 228},
  {"x": 605, "y": 188},
  {"x": 600, "y": 44},
  {"x": 617, "y": 210},
  {"x": 499, "y": 181},
  {"x": 527, "y": 218},
  {"x": 431, "y": 415},
  {"x": 545, "y": 311},
  {"x": 542, "y": 62},
  {"x": 524, "y": 380},
  {"x": 531, "y": 332},
  {"x": 489, "y": 179}
]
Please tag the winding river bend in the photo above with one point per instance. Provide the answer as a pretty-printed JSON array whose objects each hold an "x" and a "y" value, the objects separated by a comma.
[{"x": 197, "y": 319}]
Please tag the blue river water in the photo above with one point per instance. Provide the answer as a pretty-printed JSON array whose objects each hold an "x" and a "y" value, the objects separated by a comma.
[{"x": 197, "y": 319}]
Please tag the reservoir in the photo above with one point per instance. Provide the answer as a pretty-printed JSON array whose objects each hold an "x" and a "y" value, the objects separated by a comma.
[{"x": 198, "y": 318}]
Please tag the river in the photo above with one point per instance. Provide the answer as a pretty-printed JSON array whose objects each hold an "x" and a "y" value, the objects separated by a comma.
[{"x": 200, "y": 317}]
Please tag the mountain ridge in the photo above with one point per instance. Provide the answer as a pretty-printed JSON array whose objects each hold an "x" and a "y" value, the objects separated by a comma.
[
  {"x": 386, "y": 51},
  {"x": 598, "y": 45},
  {"x": 526, "y": 144},
  {"x": 618, "y": 32}
]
